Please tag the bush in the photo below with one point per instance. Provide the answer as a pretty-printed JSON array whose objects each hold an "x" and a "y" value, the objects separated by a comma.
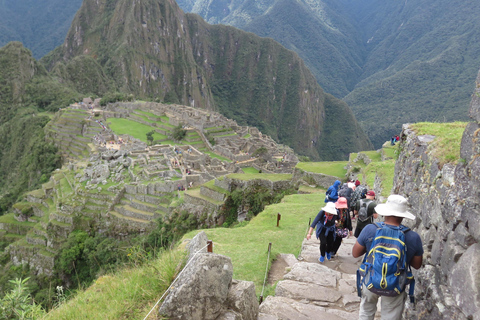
[{"x": 179, "y": 133}]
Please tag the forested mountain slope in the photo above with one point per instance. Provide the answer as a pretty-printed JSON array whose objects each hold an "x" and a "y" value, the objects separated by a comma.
[
  {"x": 39, "y": 25},
  {"x": 392, "y": 61},
  {"x": 154, "y": 51}
]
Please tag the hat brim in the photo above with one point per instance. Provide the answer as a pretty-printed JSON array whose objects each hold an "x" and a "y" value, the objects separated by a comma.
[
  {"x": 330, "y": 210},
  {"x": 341, "y": 206},
  {"x": 384, "y": 210}
]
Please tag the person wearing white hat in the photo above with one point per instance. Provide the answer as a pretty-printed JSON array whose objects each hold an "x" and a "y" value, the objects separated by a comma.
[
  {"x": 324, "y": 223},
  {"x": 394, "y": 211}
]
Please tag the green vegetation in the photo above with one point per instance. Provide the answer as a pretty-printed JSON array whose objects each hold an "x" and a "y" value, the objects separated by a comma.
[
  {"x": 249, "y": 258},
  {"x": 332, "y": 168},
  {"x": 448, "y": 136},
  {"x": 127, "y": 294},
  {"x": 179, "y": 133},
  {"x": 385, "y": 170},
  {"x": 250, "y": 170},
  {"x": 133, "y": 128}
]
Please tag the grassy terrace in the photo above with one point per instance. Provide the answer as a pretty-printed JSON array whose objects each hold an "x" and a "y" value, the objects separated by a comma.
[
  {"x": 385, "y": 170},
  {"x": 211, "y": 185},
  {"x": 448, "y": 137},
  {"x": 249, "y": 170},
  {"x": 332, "y": 168},
  {"x": 214, "y": 155},
  {"x": 249, "y": 257},
  {"x": 263, "y": 176},
  {"x": 133, "y": 128},
  {"x": 196, "y": 193}
]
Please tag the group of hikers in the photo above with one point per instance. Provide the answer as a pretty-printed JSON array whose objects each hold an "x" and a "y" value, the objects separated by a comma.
[{"x": 386, "y": 268}]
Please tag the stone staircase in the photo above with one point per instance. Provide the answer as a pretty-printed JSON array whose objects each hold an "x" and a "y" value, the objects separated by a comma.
[{"x": 313, "y": 290}]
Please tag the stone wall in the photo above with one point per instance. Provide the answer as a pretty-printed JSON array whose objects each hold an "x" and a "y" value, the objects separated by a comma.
[
  {"x": 319, "y": 179},
  {"x": 446, "y": 202}
]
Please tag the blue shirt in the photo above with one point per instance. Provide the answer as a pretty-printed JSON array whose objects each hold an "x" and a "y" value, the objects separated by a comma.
[{"x": 413, "y": 241}]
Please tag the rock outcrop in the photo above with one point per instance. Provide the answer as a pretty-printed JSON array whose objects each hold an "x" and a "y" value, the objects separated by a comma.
[
  {"x": 205, "y": 289},
  {"x": 446, "y": 202}
]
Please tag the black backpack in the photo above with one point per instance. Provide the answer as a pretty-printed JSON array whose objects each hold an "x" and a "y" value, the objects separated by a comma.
[
  {"x": 359, "y": 193},
  {"x": 363, "y": 211}
]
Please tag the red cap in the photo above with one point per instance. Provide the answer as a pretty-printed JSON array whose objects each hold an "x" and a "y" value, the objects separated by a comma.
[
  {"x": 371, "y": 193},
  {"x": 357, "y": 183}
]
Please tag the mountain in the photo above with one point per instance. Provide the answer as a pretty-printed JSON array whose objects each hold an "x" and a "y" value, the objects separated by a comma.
[
  {"x": 39, "y": 25},
  {"x": 154, "y": 50},
  {"x": 26, "y": 91},
  {"x": 392, "y": 61}
]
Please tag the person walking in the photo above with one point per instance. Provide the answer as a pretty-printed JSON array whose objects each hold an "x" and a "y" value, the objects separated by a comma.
[
  {"x": 324, "y": 223},
  {"x": 343, "y": 224},
  {"x": 332, "y": 192},
  {"x": 365, "y": 211},
  {"x": 392, "y": 305}
]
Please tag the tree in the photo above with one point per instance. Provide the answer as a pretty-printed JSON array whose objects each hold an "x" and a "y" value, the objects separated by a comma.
[{"x": 150, "y": 136}]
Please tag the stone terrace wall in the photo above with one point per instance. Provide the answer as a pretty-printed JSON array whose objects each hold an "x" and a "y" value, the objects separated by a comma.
[{"x": 447, "y": 205}]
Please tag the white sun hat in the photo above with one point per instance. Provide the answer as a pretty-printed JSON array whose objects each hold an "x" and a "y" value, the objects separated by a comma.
[
  {"x": 330, "y": 208},
  {"x": 396, "y": 206}
]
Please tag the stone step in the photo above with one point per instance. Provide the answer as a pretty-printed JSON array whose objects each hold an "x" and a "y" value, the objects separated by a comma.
[
  {"x": 129, "y": 211},
  {"x": 143, "y": 206}
]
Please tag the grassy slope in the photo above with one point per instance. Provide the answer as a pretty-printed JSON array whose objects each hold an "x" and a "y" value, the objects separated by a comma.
[{"x": 247, "y": 246}]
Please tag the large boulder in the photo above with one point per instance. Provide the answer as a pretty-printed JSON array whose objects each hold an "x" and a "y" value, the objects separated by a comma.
[{"x": 202, "y": 290}]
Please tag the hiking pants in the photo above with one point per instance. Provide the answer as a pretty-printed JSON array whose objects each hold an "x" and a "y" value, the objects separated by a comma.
[
  {"x": 326, "y": 243},
  {"x": 336, "y": 245},
  {"x": 392, "y": 307}
]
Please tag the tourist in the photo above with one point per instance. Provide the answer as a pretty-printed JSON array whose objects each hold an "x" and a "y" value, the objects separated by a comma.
[
  {"x": 365, "y": 211},
  {"x": 332, "y": 192},
  {"x": 394, "y": 210},
  {"x": 325, "y": 230},
  {"x": 343, "y": 224}
]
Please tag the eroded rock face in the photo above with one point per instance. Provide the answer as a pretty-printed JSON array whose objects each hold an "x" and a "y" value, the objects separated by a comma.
[
  {"x": 202, "y": 290},
  {"x": 205, "y": 289},
  {"x": 446, "y": 201}
]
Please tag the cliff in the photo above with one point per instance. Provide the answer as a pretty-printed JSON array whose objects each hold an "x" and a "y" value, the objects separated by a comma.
[{"x": 445, "y": 199}]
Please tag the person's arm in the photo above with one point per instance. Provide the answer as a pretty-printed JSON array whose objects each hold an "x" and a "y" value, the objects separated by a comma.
[
  {"x": 309, "y": 234},
  {"x": 358, "y": 250},
  {"x": 416, "y": 262}
]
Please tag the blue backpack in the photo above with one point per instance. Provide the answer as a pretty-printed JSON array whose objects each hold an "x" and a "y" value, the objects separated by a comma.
[{"x": 384, "y": 270}]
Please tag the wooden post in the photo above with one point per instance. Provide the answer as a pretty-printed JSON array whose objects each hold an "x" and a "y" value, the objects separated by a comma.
[
  {"x": 279, "y": 216},
  {"x": 309, "y": 221},
  {"x": 269, "y": 247},
  {"x": 260, "y": 300},
  {"x": 210, "y": 246}
]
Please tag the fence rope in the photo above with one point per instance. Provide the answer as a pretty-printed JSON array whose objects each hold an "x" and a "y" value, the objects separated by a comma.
[
  {"x": 299, "y": 257},
  {"x": 266, "y": 269},
  {"x": 168, "y": 289}
]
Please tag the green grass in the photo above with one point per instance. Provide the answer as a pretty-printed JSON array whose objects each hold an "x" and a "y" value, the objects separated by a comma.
[
  {"x": 386, "y": 172},
  {"x": 214, "y": 155},
  {"x": 211, "y": 185},
  {"x": 249, "y": 258},
  {"x": 248, "y": 135},
  {"x": 448, "y": 137},
  {"x": 332, "y": 168},
  {"x": 391, "y": 151},
  {"x": 10, "y": 218},
  {"x": 264, "y": 176},
  {"x": 249, "y": 170},
  {"x": 128, "y": 294},
  {"x": 373, "y": 155},
  {"x": 133, "y": 128}
]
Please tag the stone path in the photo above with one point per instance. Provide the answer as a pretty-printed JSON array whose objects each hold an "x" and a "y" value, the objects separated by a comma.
[{"x": 313, "y": 290}]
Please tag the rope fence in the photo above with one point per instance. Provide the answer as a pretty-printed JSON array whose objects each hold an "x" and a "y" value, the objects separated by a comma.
[{"x": 266, "y": 271}]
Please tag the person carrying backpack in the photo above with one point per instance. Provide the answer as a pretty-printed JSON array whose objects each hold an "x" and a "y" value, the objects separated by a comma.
[
  {"x": 386, "y": 270},
  {"x": 365, "y": 211},
  {"x": 324, "y": 223},
  {"x": 360, "y": 192},
  {"x": 332, "y": 192}
]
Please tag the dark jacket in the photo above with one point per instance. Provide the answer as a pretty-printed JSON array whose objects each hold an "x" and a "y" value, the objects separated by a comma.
[{"x": 323, "y": 225}]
